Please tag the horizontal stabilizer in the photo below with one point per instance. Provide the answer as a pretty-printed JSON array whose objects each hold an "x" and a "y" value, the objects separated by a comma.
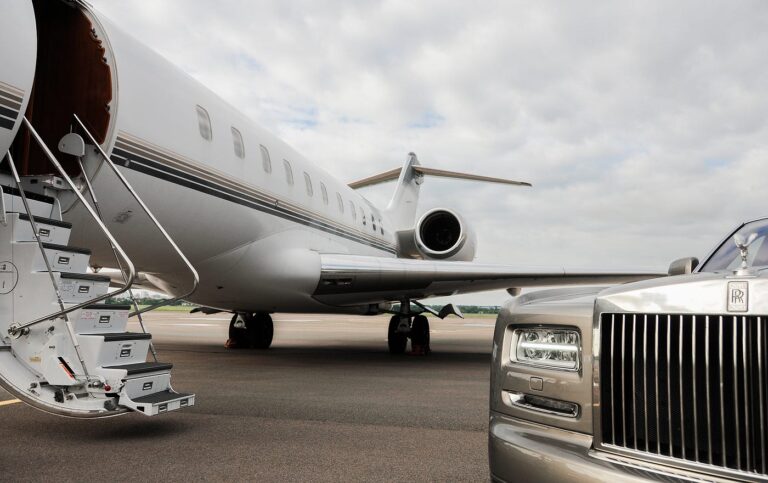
[{"x": 394, "y": 174}]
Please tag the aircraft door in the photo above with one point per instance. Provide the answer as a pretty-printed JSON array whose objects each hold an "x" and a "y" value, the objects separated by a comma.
[{"x": 18, "y": 52}]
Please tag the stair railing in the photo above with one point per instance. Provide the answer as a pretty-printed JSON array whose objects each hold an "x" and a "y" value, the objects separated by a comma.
[
  {"x": 190, "y": 267},
  {"x": 36, "y": 232},
  {"x": 96, "y": 206},
  {"x": 16, "y": 329}
]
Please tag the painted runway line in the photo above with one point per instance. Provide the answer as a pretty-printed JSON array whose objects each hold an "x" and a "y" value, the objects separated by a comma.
[{"x": 9, "y": 402}]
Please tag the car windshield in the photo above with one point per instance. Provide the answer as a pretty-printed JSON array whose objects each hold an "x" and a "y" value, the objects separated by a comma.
[{"x": 728, "y": 257}]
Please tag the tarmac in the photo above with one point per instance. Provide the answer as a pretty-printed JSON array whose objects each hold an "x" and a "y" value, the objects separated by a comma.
[{"x": 326, "y": 403}]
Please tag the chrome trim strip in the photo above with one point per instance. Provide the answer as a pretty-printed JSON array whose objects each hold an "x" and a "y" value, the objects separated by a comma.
[
  {"x": 695, "y": 405},
  {"x": 680, "y": 377},
  {"x": 760, "y": 376},
  {"x": 656, "y": 366},
  {"x": 613, "y": 378},
  {"x": 736, "y": 387},
  {"x": 645, "y": 377},
  {"x": 623, "y": 389},
  {"x": 518, "y": 399},
  {"x": 744, "y": 349},
  {"x": 669, "y": 380},
  {"x": 709, "y": 403},
  {"x": 634, "y": 381},
  {"x": 722, "y": 393}
]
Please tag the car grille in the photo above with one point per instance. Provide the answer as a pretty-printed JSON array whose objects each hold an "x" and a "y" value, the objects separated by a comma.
[{"x": 688, "y": 387}]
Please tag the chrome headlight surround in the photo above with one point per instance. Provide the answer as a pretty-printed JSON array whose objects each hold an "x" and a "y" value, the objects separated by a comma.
[{"x": 547, "y": 347}]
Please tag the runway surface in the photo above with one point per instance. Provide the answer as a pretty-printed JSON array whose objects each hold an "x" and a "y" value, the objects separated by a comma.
[{"x": 326, "y": 403}]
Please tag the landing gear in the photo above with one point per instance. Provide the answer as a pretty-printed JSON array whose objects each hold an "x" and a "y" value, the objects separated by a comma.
[
  {"x": 401, "y": 327},
  {"x": 260, "y": 330},
  {"x": 420, "y": 336},
  {"x": 397, "y": 336},
  {"x": 250, "y": 331}
]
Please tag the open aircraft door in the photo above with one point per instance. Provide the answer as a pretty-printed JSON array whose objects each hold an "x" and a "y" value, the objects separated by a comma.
[{"x": 18, "y": 53}]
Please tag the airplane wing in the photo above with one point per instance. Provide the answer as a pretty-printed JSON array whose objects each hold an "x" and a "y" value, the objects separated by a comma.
[{"x": 354, "y": 279}]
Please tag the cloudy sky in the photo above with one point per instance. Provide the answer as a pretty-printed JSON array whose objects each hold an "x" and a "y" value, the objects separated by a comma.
[{"x": 643, "y": 126}]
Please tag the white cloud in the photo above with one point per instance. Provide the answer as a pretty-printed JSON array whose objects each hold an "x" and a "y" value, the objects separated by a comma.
[{"x": 641, "y": 125}]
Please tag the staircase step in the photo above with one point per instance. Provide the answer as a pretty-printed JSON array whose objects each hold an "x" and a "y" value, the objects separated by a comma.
[
  {"x": 48, "y": 221},
  {"x": 159, "y": 402},
  {"x": 62, "y": 258},
  {"x": 143, "y": 368},
  {"x": 50, "y": 230},
  {"x": 40, "y": 205},
  {"x": 80, "y": 287},
  {"x": 102, "y": 318},
  {"x": 106, "y": 349},
  {"x": 121, "y": 336}
]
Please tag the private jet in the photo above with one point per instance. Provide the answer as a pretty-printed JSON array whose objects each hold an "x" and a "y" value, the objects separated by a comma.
[{"x": 121, "y": 170}]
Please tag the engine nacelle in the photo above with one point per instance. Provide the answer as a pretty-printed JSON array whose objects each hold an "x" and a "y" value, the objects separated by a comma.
[{"x": 440, "y": 234}]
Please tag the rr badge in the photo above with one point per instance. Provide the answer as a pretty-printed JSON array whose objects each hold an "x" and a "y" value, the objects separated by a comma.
[{"x": 738, "y": 296}]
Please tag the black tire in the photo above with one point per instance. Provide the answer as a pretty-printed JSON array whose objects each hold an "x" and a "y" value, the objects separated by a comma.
[
  {"x": 420, "y": 331},
  {"x": 237, "y": 335},
  {"x": 260, "y": 331},
  {"x": 397, "y": 341}
]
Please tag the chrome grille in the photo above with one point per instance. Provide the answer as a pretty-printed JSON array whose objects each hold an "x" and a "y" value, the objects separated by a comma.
[{"x": 687, "y": 387}]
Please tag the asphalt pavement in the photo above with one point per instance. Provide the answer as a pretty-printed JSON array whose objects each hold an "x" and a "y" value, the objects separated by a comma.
[{"x": 326, "y": 403}]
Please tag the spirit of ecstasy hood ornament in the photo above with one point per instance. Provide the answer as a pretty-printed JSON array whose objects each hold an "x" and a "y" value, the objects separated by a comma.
[{"x": 743, "y": 245}]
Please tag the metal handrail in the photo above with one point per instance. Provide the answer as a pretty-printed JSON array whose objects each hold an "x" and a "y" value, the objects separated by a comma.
[
  {"x": 3, "y": 212},
  {"x": 119, "y": 265},
  {"x": 16, "y": 328},
  {"x": 195, "y": 276}
]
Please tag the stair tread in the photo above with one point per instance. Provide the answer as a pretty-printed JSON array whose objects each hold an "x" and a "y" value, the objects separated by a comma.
[
  {"x": 118, "y": 307},
  {"x": 85, "y": 276},
  {"x": 118, "y": 336},
  {"x": 46, "y": 221},
  {"x": 67, "y": 248},
  {"x": 143, "y": 367},
  {"x": 161, "y": 397},
  {"x": 30, "y": 195}
]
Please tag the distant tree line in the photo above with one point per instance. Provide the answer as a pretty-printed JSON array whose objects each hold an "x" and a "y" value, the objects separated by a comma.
[
  {"x": 473, "y": 309},
  {"x": 465, "y": 309},
  {"x": 144, "y": 301}
]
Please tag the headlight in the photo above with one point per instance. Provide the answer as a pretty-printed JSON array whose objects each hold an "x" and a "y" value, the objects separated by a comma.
[{"x": 551, "y": 348}]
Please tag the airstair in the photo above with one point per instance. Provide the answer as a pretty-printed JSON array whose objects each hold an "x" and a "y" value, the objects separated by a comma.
[{"x": 62, "y": 349}]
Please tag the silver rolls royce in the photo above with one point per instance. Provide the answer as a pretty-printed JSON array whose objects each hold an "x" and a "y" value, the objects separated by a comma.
[{"x": 661, "y": 380}]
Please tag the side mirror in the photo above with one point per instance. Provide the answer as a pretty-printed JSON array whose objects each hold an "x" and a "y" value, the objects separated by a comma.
[{"x": 683, "y": 266}]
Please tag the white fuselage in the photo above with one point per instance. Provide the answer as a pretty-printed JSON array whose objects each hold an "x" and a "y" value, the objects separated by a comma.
[{"x": 253, "y": 236}]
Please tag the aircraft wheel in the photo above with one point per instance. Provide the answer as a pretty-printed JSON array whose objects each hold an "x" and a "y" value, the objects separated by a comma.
[
  {"x": 260, "y": 331},
  {"x": 420, "y": 335},
  {"x": 397, "y": 341},
  {"x": 238, "y": 336}
]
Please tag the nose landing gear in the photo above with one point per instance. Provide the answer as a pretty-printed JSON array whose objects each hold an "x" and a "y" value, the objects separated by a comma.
[{"x": 250, "y": 331}]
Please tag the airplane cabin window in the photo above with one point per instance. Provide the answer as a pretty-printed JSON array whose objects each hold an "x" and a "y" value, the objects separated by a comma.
[
  {"x": 362, "y": 214},
  {"x": 237, "y": 140},
  {"x": 288, "y": 172},
  {"x": 308, "y": 182},
  {"x": 341, "y": 203},
  {"x": 266, "y": 162},
  {"x": 373, "y": 223},
  {"x": 204, "y": 123},
  {"x": 353, "y": 210},
  {"x": 324, "y": 192}
]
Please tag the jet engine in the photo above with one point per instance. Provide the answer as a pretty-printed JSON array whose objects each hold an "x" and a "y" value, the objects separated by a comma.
[{"x": 440, "y": 234}]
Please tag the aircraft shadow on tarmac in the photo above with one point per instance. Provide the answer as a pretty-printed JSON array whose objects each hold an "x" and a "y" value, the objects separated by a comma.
[{"x": 334, "y": 354}]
